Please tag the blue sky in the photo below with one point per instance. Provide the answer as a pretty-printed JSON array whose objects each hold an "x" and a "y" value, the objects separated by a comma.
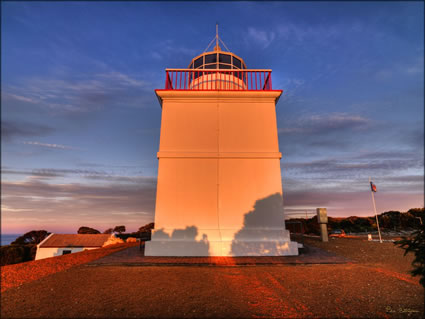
[{"x": 80, "y": 120}]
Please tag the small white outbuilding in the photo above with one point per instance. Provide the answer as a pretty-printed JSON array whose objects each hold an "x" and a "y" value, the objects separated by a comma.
[{"x": 62, "y": 244}]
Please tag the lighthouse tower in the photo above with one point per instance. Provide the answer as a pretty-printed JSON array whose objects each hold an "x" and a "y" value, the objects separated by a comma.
[{"x": 219, "y": 190}]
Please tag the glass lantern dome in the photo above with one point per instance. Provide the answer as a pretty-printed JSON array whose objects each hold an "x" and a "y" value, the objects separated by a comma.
[
  {"x": 217, "y": 59},
  {"x": 230, "y": 77},
  {"x": 217, "y": 69}
]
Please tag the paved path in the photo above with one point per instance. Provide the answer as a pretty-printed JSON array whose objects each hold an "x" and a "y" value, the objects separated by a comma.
[{"x": 133, "y": 256}]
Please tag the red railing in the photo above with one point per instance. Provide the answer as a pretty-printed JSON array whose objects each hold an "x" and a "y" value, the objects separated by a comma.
[{"x": 218, "y": 79}]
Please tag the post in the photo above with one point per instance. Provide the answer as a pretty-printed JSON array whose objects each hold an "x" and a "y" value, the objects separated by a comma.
[
  {"x": 374, "y": 209},
  {"x": 322, "y": 219},
  {"x": 216, "y": 34}
]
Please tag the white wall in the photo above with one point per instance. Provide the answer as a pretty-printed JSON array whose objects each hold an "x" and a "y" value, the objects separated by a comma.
[{"x": 46, "y": 252}]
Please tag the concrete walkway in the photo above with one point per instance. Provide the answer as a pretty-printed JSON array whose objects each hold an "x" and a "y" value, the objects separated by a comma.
[{"x": 134, "y": 256}]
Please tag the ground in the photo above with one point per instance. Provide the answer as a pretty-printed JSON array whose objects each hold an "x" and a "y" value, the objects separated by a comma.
[{"x": 375, "y": 284}]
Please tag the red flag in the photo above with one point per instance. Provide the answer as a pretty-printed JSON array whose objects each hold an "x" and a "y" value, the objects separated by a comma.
[{"x": 373, "y": 187}]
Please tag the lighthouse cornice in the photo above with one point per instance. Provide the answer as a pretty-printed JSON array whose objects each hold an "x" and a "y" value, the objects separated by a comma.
[{"x": 214, "y": 96}]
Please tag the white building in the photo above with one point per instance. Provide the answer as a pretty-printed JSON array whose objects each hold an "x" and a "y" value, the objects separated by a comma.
[{"x": 62, "y": 244}]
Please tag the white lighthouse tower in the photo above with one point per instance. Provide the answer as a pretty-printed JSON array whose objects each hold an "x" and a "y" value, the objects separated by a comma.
[{"x": 219, "y": 190}]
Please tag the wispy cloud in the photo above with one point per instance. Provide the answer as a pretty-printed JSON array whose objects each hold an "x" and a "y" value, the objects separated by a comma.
[
  {"x": 296, "y": 33},
  {"x": 123, "y": 78},
  {"x": 82, "y": 94},
  {"x": 301, "y": 32},
  {"x": 8, "y": 96},
  {"x": 55, "y": 146},
  {"x": 416, "y": 67},
  {"x": 109, "y": 175},
  {"x": 397, "y": 69},
  {"x": 263, "y": 38},
  {"x": 341, "y": 168},
  {"x": 327, "y": 123},
  {"x": 30, "y": 173},
  {"x": 169, "y": 48},
  {"x": 12, "y": 129},
  {"x": 156, "y": 55},
  {"x": 66, "y": 204}
]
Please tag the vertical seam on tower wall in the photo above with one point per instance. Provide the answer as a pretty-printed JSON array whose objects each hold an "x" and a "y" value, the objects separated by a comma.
[{"x": 218, "y": 174}]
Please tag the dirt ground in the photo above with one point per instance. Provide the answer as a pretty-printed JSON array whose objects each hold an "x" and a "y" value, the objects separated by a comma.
[
  {"x": 376, "y": 284},
  {"x": 18, "y": 274}
]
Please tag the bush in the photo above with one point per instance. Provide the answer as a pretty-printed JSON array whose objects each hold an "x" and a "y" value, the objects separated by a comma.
[
  {"x": 108, "y": 231},
  {"x": 13, "y": 254},
  {"x": 32, "y": 237},
  {"x": 416, "y": 244},
  {"x": 87, "y": 230},
  {"x": 144, "y": 233},
  {"x": 119, "y": 229}
]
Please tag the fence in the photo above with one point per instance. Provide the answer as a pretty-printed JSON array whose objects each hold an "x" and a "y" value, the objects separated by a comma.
[{"x": 218, "y": 79}]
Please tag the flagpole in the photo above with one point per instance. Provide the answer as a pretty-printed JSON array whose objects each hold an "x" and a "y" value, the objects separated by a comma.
[{"x": 376, "y": 216}]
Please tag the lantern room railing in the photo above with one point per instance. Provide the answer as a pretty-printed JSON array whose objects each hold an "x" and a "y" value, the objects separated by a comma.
[{"x": 218, "y": 79}]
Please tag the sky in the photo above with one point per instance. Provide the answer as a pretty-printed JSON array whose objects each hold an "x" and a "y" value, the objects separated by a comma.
[{"x": 80, "y": 120}]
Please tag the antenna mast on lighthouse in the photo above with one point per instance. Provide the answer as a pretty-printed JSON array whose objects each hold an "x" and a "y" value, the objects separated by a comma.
[{"x": 217, "y": 41}]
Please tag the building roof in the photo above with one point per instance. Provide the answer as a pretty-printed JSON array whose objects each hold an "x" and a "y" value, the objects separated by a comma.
[{"x": 75, "y": 240}]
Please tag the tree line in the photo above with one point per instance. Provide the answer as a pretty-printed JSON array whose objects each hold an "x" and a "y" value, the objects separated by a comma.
[{"x": 388, "y": 221}]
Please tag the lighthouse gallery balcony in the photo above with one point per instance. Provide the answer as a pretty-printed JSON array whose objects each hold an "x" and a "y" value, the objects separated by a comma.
[
  {"x": 218, "y": 79},
  {"x": 218, "y": 70}
]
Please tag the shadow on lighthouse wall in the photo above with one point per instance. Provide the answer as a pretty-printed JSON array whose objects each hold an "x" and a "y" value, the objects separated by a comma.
[
  {"x": 263, "y": 229},
  {"x": 165, "y": 244}
]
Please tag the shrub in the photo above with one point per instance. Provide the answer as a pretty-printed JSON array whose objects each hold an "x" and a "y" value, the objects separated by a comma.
[
  {"x": 32, "y": 237},
  {"x": 13, "y": 254},
  {"x": 108, "y": 231},
  {"x": 87, "y": 230},
  {"x": 119, "y": 229},
  {"x": 416, "y": 245}
]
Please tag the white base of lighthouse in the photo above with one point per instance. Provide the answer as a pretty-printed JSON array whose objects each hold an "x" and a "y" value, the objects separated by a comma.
[{"x": 223, "y": 248}]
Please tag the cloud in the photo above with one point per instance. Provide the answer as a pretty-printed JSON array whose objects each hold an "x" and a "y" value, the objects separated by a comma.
[
  {"x": 416, "y": 67},
  {"x": 35, "y": 204},
  {"x": 156, "y": 55},
  {"x": 327, "y": 123},
  {"x": 55, "y": 146},
  {"x": 30, "y": 174},
  {"x": 169, "y": 49},
  {"x": 390, "y": 154},
  {"x": 263, "y": 38},
  {"x": 398, "y": 69},
  {"x": 11, "y": 130},
  {"x": 313, "y": 134},
  {"x": 299, "y": 33},
  {"x": 413, "y": 137},
  {"x": 333, "y": 180},
  {"x": 78, "y": 95},
  {"x": 346, "y": 166},
  {"x": 88, "y": 174},
  {"x": 384, "y": 74},
  {"x": 123, "y": 78},
  {"x": 8, "y": 96},
  {"x": 125, "y": 179},
  {"x": 65, "y": 207}
]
